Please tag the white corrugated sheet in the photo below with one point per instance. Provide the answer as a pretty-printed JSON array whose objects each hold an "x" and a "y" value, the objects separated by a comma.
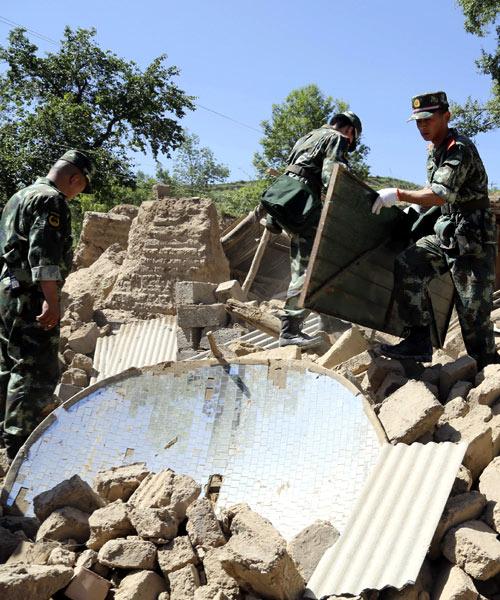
[
  {"x": 136, "y": 344},
  {"x": 392, "y": 524},
  {"x": 265, "y": 341}
]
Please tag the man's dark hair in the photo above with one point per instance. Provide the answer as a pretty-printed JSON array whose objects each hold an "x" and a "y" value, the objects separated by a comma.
[{"x": 340, "y": 121}]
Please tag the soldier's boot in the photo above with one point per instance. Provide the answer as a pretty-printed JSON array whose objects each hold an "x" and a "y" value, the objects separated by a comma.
[
  {"x": 291, "y": 334},
  {"x": 417, "y": 346},
  {"x": 487, "y": 359}
]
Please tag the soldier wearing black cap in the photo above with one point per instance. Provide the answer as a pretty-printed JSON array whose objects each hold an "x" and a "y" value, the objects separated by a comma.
[
  {"x": 35, "y": 257},
  {"x": 463, "y": 243}
]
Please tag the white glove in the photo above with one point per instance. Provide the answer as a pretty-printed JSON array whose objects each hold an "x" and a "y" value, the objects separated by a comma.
[{"x": 386, "y": 198}]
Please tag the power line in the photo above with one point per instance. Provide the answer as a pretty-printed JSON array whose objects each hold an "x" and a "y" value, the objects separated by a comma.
[
  {"x": 229, "y": 118},
  {"x": 32, "y": 31}
]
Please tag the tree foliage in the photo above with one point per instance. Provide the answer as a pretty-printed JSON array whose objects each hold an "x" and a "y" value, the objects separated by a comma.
[
  {"x": 303, "y": 109},
  {"x": 475, "y": 117},
  {"x": 83, "y": 97},
  {"x": 195, "y": 167}
]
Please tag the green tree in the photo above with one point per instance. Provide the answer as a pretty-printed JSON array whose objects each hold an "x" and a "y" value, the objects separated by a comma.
[
  {"x": 83, "y": 97},
  {"x": 303, "y": 109},
  {"x": 195, "y": 167},
  {"x": 475, "y": 117}
]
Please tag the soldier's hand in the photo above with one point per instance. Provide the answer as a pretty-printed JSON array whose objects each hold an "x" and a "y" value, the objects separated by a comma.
[
  {"x": 387, "y": 197},
  {"x": 49, "y": 316}
]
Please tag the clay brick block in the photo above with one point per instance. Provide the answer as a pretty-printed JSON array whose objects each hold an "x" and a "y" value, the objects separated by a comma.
[
  {"x": 201, "y": 315},
  {"x": 195, "y": 292}
]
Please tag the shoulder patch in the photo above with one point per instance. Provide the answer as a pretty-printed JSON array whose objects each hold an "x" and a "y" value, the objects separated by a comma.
[
  {"x": 451, "y": 143},
  {"x": 54, "y": 220}
]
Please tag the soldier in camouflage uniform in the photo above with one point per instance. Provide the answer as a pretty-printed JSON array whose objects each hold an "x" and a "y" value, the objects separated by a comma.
[
  {"x": 310, "y": 164},
  {"x": 464, "y": 242},
  {"x": 35, "y": 251}
]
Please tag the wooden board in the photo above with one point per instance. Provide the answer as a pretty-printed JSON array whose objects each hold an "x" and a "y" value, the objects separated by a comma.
[{"x": 350, "y": 274}]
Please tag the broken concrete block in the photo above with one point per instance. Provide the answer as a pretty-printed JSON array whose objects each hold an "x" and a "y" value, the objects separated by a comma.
[
  {"x": 229, "y": 289},
  {"x": 462, "y": 369},
  {"x": 460, "y": 389},
  {"x": 454, "y": 344},
  {"x": 409, "y": 412},
  {"x": 166, "y": 489},
  {"x": 308, "y": 546},
  {"x": 65, "y": 391},
  {"x": 184, "y": 582},
  {"x": 87, "y": 585},
  {"x": 202, "y": 527},
  {"x": 84, "y": 339},
  {"x": 490, "y": 371},
  {"x": 155, "y": 524},
  {"x": 489, "y": 485},
  {"x": 351, "y": 343},
  {"x": 30, "y": 553},
  {"x": 357, "y": 364},
  {"x": 176, "y": 554},
  {"x": 256, "y": 556},
  {"x": 87, "y": 559},
  {"x": 109, "y": 523},
  {"x": 217, "y": 577},
  {"x": 20, "y": 582},
  {"x": 462, "y": 483},
  {"x": 454, "y": 584},
  {"x": 380, "y": 368},
  {"x": 458, "y": 509},
  {"x": 474, "y": 547},
  {"x": 391, "y": 383},
  {"x": 75, "y": 377},
  {"x": 62, "y": 556},
  {"x": 130, "y": 553},
  {"x": 488, "y": 391},
  {"x": 241, "y": 348},
  {"x": 65, "y": 523},
  {"x": 119, "y": 483},
  {"x": 143, "y": 585},
  {"x": 207, "y": 592},
  {"x": 82, "y": 362},
  {"x": 29, "y": 525},
  {"x": 8, "y": 544},
  {"x": 285, "y": 353},
  {"x": 195, "y": 292},
  {"x": 457, "y": 407},
  {"x": 71, "y": 492},
  {"x": 475, "y": 429},
  {"x": 201, "y": 315}
]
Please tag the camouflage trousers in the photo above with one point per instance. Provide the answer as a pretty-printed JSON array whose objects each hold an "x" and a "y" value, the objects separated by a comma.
[
  {"x": 473, "y": 276},
  {"x": 29, "y": 367},
  {"x": 300, "y": 253}
]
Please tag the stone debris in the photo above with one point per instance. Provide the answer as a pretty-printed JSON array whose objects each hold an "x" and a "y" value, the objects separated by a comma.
[
  {"x": 489, "y": 486},
  {"x": 20, "y": 582},
  {"x": 120, "y": 482},
  {"x": 409, "y": 412},
  {"x": 143, "y": 585},
  {"x": 308, "y": 546},
  {"x": 475, "y": 548},
  {"x": 454, "y": 584},
  {"x": 109, "y": 523},
  {"x": 63, "y": 524},
  {"x": 351, "y": 343},
  {"x": 202, "y": 528},
  {"x": 462, "y": 369},
  {"x": 129, "y": 553}
]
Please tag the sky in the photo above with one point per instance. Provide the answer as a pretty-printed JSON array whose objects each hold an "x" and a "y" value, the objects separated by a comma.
[{"x": 239, "y": 57}]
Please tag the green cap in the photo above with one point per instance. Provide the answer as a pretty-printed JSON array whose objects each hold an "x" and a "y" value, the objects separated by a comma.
[
  {"x": 83, "y": 162},
  {"x": 425, "y": 105}
]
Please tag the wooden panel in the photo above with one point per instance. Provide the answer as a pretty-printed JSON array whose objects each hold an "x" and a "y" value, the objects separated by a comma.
[{"x": 350, "y": 274}]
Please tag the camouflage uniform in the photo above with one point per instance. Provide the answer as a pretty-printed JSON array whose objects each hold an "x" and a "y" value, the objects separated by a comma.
[
  {"x": 35, "y": 245},
  {"x": 317, "y": 152},
  {"x": 464, "y": 244}
]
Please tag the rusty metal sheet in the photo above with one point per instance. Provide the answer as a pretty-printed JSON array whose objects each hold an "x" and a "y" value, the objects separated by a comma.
[{"x": 350, "y": 274}]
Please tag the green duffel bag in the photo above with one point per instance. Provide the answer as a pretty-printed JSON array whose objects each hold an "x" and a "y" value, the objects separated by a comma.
[{"x": 292, "y": 203}]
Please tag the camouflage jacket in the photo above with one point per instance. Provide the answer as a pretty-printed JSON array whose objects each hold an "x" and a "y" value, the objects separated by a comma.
[
  {"x": 455, "y": 170},
  {"x": 318, "y": 151},
  {"x": 35, "y": 234}
]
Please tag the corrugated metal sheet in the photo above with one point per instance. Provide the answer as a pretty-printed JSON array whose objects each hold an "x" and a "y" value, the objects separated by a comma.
[
  {"x": 392, "y": 524},
  {"x": 136, "y": 344},
  {"x": 265, "y": 341},
  {"x": 350, "y": 274}
]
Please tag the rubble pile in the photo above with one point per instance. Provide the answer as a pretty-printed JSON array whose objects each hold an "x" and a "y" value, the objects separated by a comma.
[
  {"x": 138, "y": 535},
  {"x": 126, "y": 265}
]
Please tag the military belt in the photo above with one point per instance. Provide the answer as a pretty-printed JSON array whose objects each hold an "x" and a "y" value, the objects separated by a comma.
[
  {"x": 311, "y": 179},
  {"x": 465, "y": 208}
]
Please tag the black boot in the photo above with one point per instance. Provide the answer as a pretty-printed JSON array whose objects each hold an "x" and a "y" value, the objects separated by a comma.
[
  {"x": 487, "y": 359},
  {"x": 417, "y": 346},
  {"x": 291, "y": 335},
  {"x": 272, "y": 225}
]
